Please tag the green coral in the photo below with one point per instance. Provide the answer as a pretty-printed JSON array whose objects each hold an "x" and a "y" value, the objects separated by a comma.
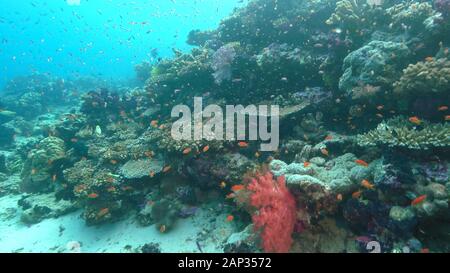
[
  {"x": 412, "y": 15},
  {"x": 399, "y": 132},
  {"x": 424, "y": 77}
]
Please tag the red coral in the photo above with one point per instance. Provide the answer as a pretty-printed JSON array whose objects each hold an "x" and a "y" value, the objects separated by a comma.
[{"x": 276, "y": 215}]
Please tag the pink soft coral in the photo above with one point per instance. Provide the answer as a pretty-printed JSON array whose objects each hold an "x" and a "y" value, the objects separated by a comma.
[{"x": 276, "y": 215}]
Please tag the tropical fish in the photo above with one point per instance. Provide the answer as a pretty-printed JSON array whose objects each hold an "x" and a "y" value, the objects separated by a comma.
[
  {"x": 339, "y": 197},
  {"x": 167, "y": 169},
  {"x": 447, "y": 118},
  {"x": 429, "y": 59},
  {"x": 356, "y": 194},
  {"x": 103, "y": 212},
  {"x": 187, "y": 151},
  {"x": 230, "y": 196},
  {"x": 306, "y": 164},
  {"x": 206, "y": 148},
  {"x": 154, "y": 123},
  {"x": 443, "y": 108},
  {"x": 366, "y": 184},
  {"x": 243, "y": 144},
  {"x": 380, "y": 107},
  {"x": 152, "y": 174},
  {"x": 93, "y": 195},
  {"x": 415, "y": 120},
  {"x": 418, "y": 200},
  {"x": 113, "y": 161},
  {"x": 54, "y": 178},
  {"x": 425, "y": 250},
  {"x": 324, "y": 152},
  {"x": 222, "y": 184},
  {"x": 361, "y": 162},
  {"x": 237, "y": 188},
  {"x": 162, "y": 228},
  {"x": 230, "y": 218},
  {"x": 329, "y": 137}
]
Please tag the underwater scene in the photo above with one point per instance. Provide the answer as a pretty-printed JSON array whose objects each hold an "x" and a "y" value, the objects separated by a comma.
[{"x": 224, "y": 126}]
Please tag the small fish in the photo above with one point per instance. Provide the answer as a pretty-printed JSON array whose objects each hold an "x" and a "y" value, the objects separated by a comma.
[
  {"x": 447, "y": 117},
  {"x": 442, "y": 108},
  {"x": 103, "y": 212},
  {"x": 74, "y": 140},
  {"x": 33, "y": 171},
  {"x": 418, "y": 200},
  {"x": 257, "y": 154},
  {"x": 429, "y": 59},
  {"x": 366, "y": 184},
  {"x": 113, "y": 162},
  {"x": 93, "y": 195},
  {"x": 425, "y": 250},
  {"x": 380, "y": 107},
  {"x": 329, "y": 137},
  {"x": 339, "y": 197},
  {"x": 243, "y": 144},
  {"x": 230, "y": 196},
  {"x": 167, "y": 169},
  {"x": 356, "y": 194},
  {"x": 187, "y": 151},
  {"x": 152, "y": 174},
  {"x": 415, "y": 120},
  {"x": 230, "y": 218},
  {"x": 154, "y": 123},
  {"x": 379, "y": 115},
  {"x": 54, "y": 178},
  {"x": 206, "y": 148},
  {"x": 325, "y": 152},
  {"x": 306, "y": 164},
  {"x": 222, "y": 184},
  {"x": 163, "y": 229},
  {"x": 361, "y": 162},
  {"x": 237, "y": 188},
  {"x": 111, "y": 189}
]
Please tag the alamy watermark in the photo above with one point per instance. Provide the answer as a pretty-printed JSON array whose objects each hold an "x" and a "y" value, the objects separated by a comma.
[{"x": 234, "y": 123}]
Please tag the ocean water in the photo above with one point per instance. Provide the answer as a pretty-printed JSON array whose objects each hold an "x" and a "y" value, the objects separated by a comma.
[{"x": 207, "y": 126}]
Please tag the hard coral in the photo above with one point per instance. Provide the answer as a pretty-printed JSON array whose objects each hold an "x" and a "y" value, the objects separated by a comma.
[{"x": 276, "y": 214}]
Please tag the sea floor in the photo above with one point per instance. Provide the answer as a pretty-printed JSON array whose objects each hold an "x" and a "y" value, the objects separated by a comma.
[{"x": 60, "y": 235}]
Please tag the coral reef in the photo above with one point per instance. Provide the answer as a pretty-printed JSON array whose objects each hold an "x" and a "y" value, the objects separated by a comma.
[{"x": 398, "y": 132}]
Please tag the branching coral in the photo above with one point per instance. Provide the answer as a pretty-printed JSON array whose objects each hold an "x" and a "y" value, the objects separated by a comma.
[
  {"x": 398, "y": 132},
  {"x": 423, "y": 78},
  {"x": 276, "y": 214}
]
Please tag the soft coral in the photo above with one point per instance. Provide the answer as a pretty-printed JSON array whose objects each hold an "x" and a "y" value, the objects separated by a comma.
[{"x": 276, "y": 215}]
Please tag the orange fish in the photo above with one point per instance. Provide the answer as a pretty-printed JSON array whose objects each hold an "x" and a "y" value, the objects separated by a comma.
[
  {"x": 149, "y": 154},
  {"x": 366, "y": 184},
  {"x": 187, "y": 151},
  {"x": 230, "y": 196},
  {"x": 230, "y": 218},
  {"x": 237, "y": 188},
  {"x": 113, "y": 161},
  {"x": 356, "y": 194},
  {"x": 163, "y": 229},
  {"x": 329, "y": 137},
  {"x": 443, "y": 108},
  {"x": 152, "y": 174},
  {"x": 425, "y": 250},
  {"x": 111, "y": 189},
  {"x": 415, "y": 120},
  {"x": 206, "y": 148},
  {"x": 167, "y": 169},
  {"x": 339, "y": 197},
  {"x": 222, "y": 184},
  {"x": 429, "y": 59},
  {"x": 447, "y": 117},
  {"x": 103, "y": 212},
  {"x": 306, "y": 164},
  {"x": 243, "y": 144},
  {"x": 93, "y": 196},
  {"x": 361, "y": 162},
  {"x": 324, "y": 152},
  {"x": 154, "y": 123},
  {"x": 418, "y": 200}
]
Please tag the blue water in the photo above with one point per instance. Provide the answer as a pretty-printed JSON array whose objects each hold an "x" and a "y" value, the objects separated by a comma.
[{"x": 98, "y": 37}]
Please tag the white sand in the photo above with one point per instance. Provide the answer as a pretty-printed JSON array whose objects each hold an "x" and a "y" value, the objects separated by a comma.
[{"x": 46, "y": 237}]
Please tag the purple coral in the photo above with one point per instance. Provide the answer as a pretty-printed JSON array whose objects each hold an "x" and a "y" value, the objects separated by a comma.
[
  {"x": 437, "y": 172},
  {"x": 221, "y": 63}
]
